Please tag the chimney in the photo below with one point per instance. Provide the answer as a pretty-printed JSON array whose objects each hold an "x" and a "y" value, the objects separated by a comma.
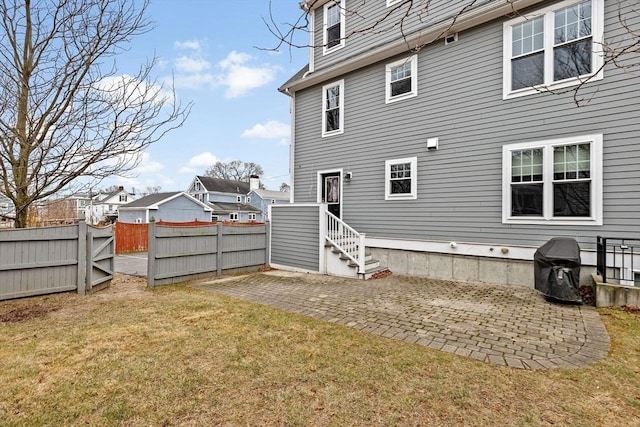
[
  {"x": 254, "y": 182},
  {"x": 121, "y": 188}
]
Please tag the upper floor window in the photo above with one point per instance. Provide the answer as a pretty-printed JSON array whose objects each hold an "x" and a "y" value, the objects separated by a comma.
[
  {"x": 401, "y": 79},
  {"x": 400, "y": 179},
  {"x": 392, "y": 2},
  {"x": 123, "y": 198},
  {"x": 333, "y": 31},
  {"x": 197, "y": 186},
  {"x": 557, "y": 181},
  {"x": 553, "y": 48},
  {"x": 333, "y": 108}
]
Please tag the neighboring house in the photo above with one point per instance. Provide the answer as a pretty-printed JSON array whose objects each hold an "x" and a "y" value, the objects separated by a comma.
[
  {"x": 454, "y": 159},
  {"x": 64, "y": 209},
  {"x": 262, "y": 199},
  {"x": 176, "y": 206},
  {"x": 7, "y": 212},
  {"x": 104, "y": 206},
  {"x": 227, "y": 198}
]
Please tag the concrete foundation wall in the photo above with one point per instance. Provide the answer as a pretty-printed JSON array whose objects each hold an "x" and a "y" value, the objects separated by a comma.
[
  {"x": 612, "y": 295},
  {"x": 464, "y": 268}
]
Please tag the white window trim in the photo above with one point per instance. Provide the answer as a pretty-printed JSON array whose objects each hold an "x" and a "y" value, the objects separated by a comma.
[
  {"x": 547, "y": 216},
  {"x": 233, "y": 216},
  {"x": 325, "y": 49},
  {"x": 252, "y": 217},
  {"x": 392, "y": 2},
  {"x": 414, "y": 79},
  {"x": 340, "y": 130},
  {"x": 414, "y": 179},
  {"x": 597, "y": 57}
]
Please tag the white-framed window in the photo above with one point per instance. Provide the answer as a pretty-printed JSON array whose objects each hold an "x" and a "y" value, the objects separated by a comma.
[
  {"x": 214, "y": 218},
  {"x": 401, "y": 179},
  {"x": 233, "y": 216},
  {"x": 401, "y": 79},
  {"x": 197, "y": 186},
  {"x": 252, "y": 217},
  {"x": 273, "y": 201},
  {"x": 334, "y": 23},
  {"x": 555, "y": 47},
  {"x": 556, "y": 181},
  {"x": 248, "y": 199},
  {"x": 123, "y": 198},
  {"x": 238, "y": 199},
  {"x": 392, "y": 2},
  {"x": 333, "y": 108}
]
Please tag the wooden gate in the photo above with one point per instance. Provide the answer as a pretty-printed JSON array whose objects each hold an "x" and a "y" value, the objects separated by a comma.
[
  {"x": 40, "y": 261},
  {"x": 100, "y": 256}
]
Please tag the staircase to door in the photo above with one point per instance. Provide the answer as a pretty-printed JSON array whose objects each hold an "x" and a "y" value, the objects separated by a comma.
[{"x": 345, "y": 251}]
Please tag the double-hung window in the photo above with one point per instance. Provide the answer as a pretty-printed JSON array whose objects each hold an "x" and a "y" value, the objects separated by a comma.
[
  {"x": 233, "y": 216},
  {"x": 334, "y": 23},
  {"x": 400, "y": 179},
  {"x": 555, "y": 47},
  {"x": 556, "y": 182},
  {"x": 401, "y": 79},
  {"x": 333, "y": 108}
]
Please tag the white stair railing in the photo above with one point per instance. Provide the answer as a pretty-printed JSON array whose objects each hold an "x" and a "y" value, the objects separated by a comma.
[{"x": 345, "y": 239}]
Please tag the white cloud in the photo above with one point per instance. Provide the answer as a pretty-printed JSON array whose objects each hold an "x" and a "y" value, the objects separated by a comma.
[
  {"x": 239, "y": 78},
  {"x": 270, "y": 130},
  {"x": 191, "y": 64},
  {"x": 188, "y": 44},
  {"x": 128, "y": 90},
  {"x": 147, "y": 165},
  {"x": 199, "y": 163}
]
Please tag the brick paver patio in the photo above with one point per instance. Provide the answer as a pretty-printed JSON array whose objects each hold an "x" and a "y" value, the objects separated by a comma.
[{"x": 504, "y": 325}]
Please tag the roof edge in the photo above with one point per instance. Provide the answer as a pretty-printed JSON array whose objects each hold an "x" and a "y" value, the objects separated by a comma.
[{"x": 465, "y": 21}]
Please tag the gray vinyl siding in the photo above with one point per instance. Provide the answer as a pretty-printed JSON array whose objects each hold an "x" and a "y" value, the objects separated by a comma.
[
  {"x": 131, "y": 216},
  {"x": 180, "y": 209},
  {"x": 460, "y": 185},
  {"x": 360, "y": 15},
  {"x": 295, "y": 237}
]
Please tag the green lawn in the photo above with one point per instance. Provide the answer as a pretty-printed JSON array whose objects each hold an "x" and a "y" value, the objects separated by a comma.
[{"x": 182, "y": 356}]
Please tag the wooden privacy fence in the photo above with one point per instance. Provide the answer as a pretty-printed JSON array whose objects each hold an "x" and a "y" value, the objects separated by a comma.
[
  {"x": 131, "y": 237},
  {"x": 39, "y": 261},
  {"x": 178, "y": 254},
  {"x": 135, "y": 237}
]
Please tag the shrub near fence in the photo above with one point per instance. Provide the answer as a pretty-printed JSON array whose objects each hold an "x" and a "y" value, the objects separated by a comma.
[{"x": 178, "y": 254}]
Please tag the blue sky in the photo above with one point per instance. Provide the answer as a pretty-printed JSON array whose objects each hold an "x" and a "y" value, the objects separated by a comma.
[{"x": 209, "y": 46}]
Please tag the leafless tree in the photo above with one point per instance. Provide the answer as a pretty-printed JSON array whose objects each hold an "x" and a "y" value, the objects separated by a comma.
[
  {"x": 285, "y": 188},
  {"x": 65, "y": 111},
  {"x": 235, "y": 170}
]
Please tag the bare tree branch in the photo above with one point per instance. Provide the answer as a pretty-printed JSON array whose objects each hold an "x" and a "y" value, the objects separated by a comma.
[{"x": 65, "y": 111}]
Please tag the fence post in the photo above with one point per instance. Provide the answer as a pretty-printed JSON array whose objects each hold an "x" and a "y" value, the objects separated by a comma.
[
  {"x": 267, "y": 239},
  {"x": 219, "y": 239},
  {"x": 82, "y": 257},
  {"x": 151, "y": 254},
  {"x": 89, "y": 261}
]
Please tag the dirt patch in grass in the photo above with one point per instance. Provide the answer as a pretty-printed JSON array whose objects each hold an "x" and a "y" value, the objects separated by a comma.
[{"x": 27, "y": 312}]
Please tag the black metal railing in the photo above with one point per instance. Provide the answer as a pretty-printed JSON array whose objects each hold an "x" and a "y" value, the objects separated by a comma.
[{"x": 618, "y": 260}]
